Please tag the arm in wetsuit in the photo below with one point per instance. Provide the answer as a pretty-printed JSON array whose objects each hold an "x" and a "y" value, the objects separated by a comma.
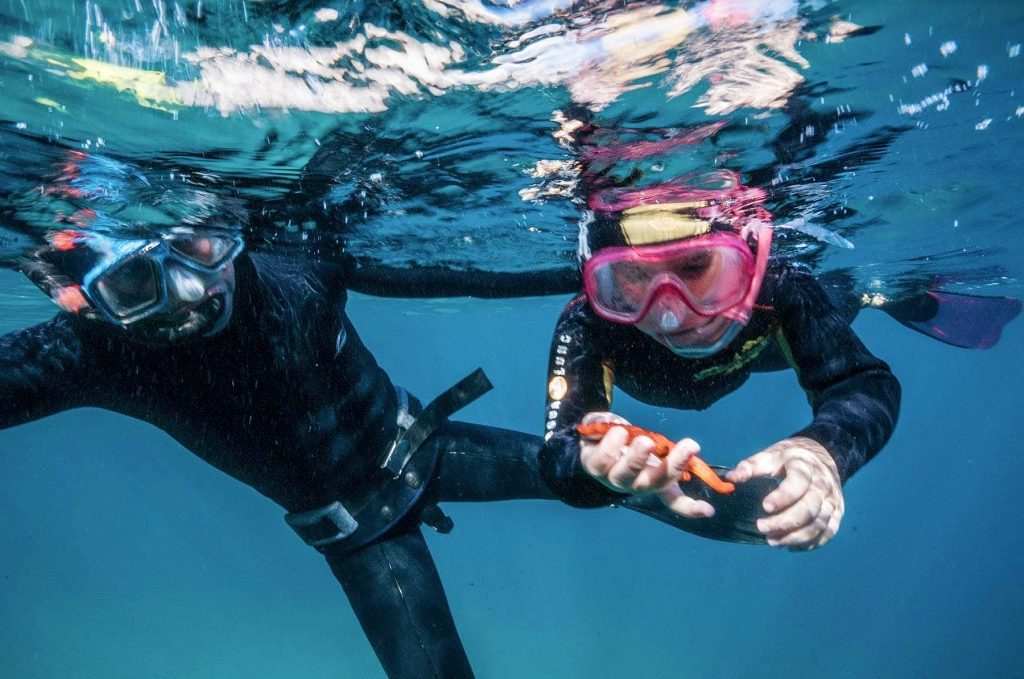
[
  {"x": 578, "y": 383},
  {"x": 855, "y": 400},
  {"x": 40, "y": 371},
  {"x": 377, "y": 279},
  {"x": 854, "y": 396}
]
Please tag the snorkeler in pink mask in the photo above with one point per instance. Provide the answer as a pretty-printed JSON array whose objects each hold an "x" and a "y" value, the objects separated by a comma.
[{"x": 681, "y": 304}]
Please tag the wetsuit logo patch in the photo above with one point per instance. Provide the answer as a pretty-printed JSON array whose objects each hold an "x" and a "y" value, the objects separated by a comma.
[{"x": 557, "y": 388}]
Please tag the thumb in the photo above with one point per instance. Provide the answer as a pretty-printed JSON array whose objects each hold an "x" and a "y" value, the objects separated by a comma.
[{"x": 765, "y": 463}]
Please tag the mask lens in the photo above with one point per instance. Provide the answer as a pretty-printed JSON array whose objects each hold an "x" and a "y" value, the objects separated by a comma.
[
  {"x": 715, "y": 279},
  {"x": 710, "y": 279},
  {"x": 131, "y": 287},
  {"x": 207, "y": 251},
  {"x": 623, "y": 286}
]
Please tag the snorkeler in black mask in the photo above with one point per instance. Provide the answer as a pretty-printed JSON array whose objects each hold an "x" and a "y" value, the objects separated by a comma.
[{"x": 250, "y": 361}]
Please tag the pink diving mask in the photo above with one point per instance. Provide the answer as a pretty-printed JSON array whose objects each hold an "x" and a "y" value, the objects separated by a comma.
[{"x": 715, "y": 276}]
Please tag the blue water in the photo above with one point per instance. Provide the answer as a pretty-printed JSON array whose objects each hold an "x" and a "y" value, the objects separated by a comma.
[
  {"x": 126, "y": 557},
  {"x": 123, "y": 556}
]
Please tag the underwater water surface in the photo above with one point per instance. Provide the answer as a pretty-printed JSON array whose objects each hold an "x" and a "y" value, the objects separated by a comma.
[{"x": 122, "y": 555}]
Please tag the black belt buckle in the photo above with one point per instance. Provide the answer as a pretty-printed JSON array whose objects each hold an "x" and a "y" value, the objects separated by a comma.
[
  {"x": 323, "y": 526},
  {"x": 397, "y": 457},
  {"x": 465, "y": 391}
]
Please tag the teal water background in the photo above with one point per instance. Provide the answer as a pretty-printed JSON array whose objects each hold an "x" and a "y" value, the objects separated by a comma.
[{"x": 123, "y": 556}]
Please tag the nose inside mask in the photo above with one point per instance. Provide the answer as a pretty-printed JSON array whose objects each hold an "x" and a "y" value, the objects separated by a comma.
[
  {"x": 668, "y": 321},
  {"x": 186, "y": 286},
  {"x": 667, "y": 311}
]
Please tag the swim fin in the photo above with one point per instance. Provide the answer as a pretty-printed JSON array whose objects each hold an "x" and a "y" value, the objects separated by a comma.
[
  {"x": 736, "y": 514},
  {"x": 968, "y": 321}
]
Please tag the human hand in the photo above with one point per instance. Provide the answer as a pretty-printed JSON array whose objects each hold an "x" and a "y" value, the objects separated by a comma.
[
  {"x": 633, "y": 468},
  {"x": 805, "y": 511}
]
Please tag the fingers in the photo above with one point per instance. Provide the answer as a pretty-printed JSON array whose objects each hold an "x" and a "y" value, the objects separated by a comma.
[
  {"x": 807, "y": 507},
  {"x": 814, "y": 512},
  {"x": 634, "y": 468},
  {"x": 833, "y": 527},
  {"x": 798, "y": 517},
  {"x": 653, "y": 476},
  {"x": 813, "y": 534},
  {"x": 632, "y": 460},
  {"x": 799, "y": 475},
  {"x": 598, "y": 457},
  {"x": 679, "y": 456},
  {"x": 659, "y": 473},
  {"x": 684, "y": 505},
  {"x": 620, "y": 466},
  {"x": 765, "y": 463}
]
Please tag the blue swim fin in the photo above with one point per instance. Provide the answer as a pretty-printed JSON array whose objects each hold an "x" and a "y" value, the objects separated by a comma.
[{"x": 968, "y": 321}]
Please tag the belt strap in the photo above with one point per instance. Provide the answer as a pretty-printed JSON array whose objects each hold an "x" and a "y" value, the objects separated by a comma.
[
  {"x": 384, "y": 504},
  {"x": 323, "y": 526},
  {"x": 405, "y": 417},
  {"x": 462, "y": 393}
]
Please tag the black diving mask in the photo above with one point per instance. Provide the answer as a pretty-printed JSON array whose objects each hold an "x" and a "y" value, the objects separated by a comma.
[{"x": 130, "y": 283}]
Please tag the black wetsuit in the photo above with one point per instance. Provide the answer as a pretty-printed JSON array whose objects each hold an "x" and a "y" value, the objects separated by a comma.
[
  {"x": 288, "y": 400},
  {"x": 854, "y": 396}
]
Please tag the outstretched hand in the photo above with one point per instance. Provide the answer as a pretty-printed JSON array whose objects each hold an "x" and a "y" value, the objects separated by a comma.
[
  {"x": 805, "y": 511},
  {"x": 633, "y": 468}
]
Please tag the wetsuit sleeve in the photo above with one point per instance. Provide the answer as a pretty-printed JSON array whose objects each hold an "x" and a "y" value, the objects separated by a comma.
[
  {"x": 854, "y": 396},
  {"x": 576, "y": 386},
  {"x": 39, "y": 372},
  {"x": 440, "y": 281}
]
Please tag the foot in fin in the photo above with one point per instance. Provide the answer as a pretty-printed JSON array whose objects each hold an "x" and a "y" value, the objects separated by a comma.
[{"x": 968, "y": 321}]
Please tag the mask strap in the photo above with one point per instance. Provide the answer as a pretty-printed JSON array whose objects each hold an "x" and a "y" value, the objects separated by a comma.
[{"x": 764, "y": 246}]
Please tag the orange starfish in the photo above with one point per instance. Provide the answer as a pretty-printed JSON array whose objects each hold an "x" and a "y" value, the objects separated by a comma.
[{"x": 662, "y": 445}]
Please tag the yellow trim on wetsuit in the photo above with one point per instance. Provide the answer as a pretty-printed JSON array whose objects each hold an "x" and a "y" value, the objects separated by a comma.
[
  {"x": 609, "y": 381},
  {"x": 750, "y": 350}
]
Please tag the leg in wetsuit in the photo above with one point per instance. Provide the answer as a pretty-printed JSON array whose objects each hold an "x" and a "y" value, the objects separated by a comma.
[
  {"x": 398, "y": 597},
  {"x": 393, "y": 584}
]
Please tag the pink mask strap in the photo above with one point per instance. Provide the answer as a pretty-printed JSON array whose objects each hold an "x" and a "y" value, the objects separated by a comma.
[{"x": 764, "y": 246}]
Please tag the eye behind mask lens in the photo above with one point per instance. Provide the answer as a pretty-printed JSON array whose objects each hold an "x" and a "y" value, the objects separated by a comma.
[
  {"x": 131, "y": 287},
  {"x": 209, "y": 251}
]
